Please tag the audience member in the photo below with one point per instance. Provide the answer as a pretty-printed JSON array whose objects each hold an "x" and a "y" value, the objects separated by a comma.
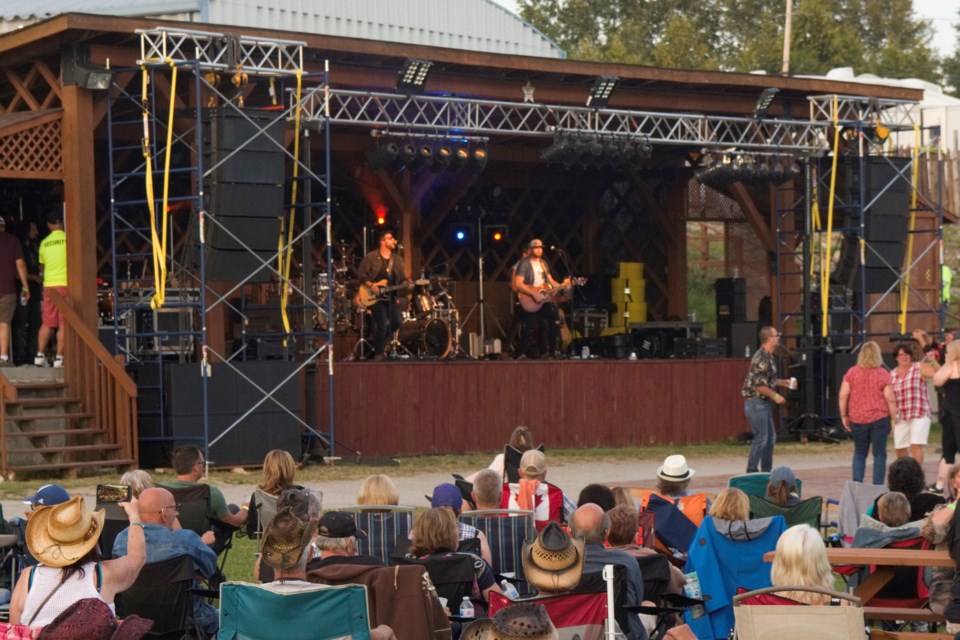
[
  {"x": 449, "y": 496},
  {"x": 138, "y": 480},
  {"x": 48, "y": 495},
  {"x": 378, "y": 489},
  {"x": 286, "y": 549},
  {"x": 893, "y": 509},
  {"x": 905, "y": 475},
  {"x": 947, "y": 378},
  {"x": 622, "y": 536},
  {"x": 782, "y": 487},
  {"x": 867, "y": 409},
  {"x": 909, "y": 380},
  {"x": 521, "y": 440},
  {"x": 158, "y": 513},
  {"x": 731, "y": 505},
  {"x": 337, "y": 536},
  {"x": 598, "y": 494},
  {"x": 64, "y": 540},
  {"x": 673, "y": 482},
  {"x": 487, "y": 488},
  {"x": 592, "y": 524},
  {"x": 435, "y": 537},
  {"x": 534, "y": 493},
  {"x": 801, "y": 561},
  {"x": 307, "y": 506},
  {"x": 279, "y": 469},
  {"x": 188, "y": 464},
  {"x": 522, "y": 620}
]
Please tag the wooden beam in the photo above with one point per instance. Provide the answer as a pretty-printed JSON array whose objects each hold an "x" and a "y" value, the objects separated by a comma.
[
  {"x": 757, "y": 220},
  {"x": 80, "y": 201},
  {"x": 676, "y": 219}
]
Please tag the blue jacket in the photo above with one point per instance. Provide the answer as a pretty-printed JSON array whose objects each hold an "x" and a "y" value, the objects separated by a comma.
[{"x": 727, "y": 555}]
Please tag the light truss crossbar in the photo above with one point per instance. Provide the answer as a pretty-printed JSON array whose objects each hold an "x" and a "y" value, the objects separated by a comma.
[
  {"x": 488, "y": 117},
  {"x": 220, "y": 51},
  {"x": 895, "y": 114}
]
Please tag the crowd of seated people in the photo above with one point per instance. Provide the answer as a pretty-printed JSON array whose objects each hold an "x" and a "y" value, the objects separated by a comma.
[{"x": 411, "y": 592}]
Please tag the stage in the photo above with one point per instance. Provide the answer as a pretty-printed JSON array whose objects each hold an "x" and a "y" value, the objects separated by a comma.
[{"x": 415, "y": 407}]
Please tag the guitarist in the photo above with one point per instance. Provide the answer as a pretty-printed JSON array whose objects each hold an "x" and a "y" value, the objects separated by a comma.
[
  {"x": 383, "y": 268},
  {"x": 531, "y": 279}
]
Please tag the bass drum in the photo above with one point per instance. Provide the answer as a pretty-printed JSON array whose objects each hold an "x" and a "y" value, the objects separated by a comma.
[{"x": 426, "y": 337}]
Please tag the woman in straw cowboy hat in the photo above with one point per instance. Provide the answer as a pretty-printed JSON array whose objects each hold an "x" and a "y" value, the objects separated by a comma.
[{"x": 64, "y": 539}]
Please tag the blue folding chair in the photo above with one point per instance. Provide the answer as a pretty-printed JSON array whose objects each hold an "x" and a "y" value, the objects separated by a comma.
[
  {"x": 384, "y": 525},
  {"x": 317, "y": 612},
  {"x": 506, "y": 531}
]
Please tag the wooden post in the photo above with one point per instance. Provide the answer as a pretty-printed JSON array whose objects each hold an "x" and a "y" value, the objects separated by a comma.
[
  {"x": 80, "y": 201},
  {"x": 677, "y": 248}
]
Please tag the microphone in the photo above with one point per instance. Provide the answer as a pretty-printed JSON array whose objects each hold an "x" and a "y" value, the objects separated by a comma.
[
  {"x": 554, "y": 247},
  {"x": 399, "y": 247}
]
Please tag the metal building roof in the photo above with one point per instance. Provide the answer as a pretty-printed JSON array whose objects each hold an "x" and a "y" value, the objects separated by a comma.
[{"x": 473, "y": 25}]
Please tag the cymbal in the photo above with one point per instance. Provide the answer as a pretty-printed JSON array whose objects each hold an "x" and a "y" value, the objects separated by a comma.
[
  {"x": 422, "y": 282},
  {"x": 441, "y": 279}
]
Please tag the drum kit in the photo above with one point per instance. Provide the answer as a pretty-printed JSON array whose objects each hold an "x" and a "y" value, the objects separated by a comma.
[{"x": 431, "y": 324}]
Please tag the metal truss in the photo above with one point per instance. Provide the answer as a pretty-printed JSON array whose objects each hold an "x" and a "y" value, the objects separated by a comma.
[
  {"x": 488, "y": 117},
  {"x": 895, "y": 114},
  {"x": 221, "y": 51}
]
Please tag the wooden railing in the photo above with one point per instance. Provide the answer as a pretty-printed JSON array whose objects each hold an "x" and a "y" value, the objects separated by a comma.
[{"x": 98, "y": 380}]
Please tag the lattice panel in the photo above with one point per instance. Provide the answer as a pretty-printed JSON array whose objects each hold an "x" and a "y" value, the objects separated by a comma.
[
  {"x": 33, "y": 154},
  {"x": 705, "y": 203},
  {"x": 745, "y": 253}
]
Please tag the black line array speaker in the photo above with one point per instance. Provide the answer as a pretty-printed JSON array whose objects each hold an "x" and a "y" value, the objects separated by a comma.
[
  {"x": 244, "y": 192},
  {"x": 886, "y": 183},
  {"x": 230, "y": 396}
]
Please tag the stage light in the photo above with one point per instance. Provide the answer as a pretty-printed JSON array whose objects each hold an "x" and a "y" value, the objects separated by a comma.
[
  {"x": 408, "y": 153},
  {"x": 460, "y": 232},
  {"x": 764, "y": 101},
  {"x": 77, "y": 70},
  {"x": 460, "y": 158},
  {"x": 479, "y": 159},
  {"x": 876, "y": 134},
  {"x": 412, "y": 77},
  {"x": 496, "y": 232},
  {"x": 601, "y": 91},
  {"x": 441, "y": 159},
  {"x": 380, "y": 212},
  {"x": 383, "y": 156}
]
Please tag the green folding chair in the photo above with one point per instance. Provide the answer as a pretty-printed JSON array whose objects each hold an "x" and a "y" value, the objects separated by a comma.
[
  {"x": 806, "y": 512},
  {"x": 755, "y": 484},
  {"x": 317, "y": 612}
]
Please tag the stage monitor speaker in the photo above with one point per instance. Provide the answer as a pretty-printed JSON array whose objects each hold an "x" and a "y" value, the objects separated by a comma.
[
  {"x": 744, "y": 335},
  {"x": 886, "y": 223}
]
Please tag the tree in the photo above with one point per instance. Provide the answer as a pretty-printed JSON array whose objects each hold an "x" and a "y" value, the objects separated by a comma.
[
  {"x": 951, "y": 66},
  {"x": 884, "y": 38}
]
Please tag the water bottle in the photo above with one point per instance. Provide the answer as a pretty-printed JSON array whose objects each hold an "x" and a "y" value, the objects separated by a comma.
[
  {"x": 746, "y": 351},
  {"x": 466, "y": 608},
  {"x": 509, "y": 590},
  {"x": 23, "y": 298},
  {"x": 692, "y": 590},
  {"x": 585, "y": 352}
]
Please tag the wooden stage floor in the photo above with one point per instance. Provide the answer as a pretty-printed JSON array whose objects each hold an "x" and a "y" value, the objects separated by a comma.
[{"x": 407, "y": 407}]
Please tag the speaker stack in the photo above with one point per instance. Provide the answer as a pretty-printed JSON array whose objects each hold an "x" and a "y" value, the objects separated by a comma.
[
  {"x": 731, "y": 298},
  {"x": 244, "y": 193}
]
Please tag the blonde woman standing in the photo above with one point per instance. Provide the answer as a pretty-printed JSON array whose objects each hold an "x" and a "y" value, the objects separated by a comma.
[{"x": 867, "y": 409}]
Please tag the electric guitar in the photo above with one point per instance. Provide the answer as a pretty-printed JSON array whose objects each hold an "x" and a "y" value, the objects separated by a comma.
[
  {"x": 547, "y": 293},
  {"x": 367, "y": 298}
]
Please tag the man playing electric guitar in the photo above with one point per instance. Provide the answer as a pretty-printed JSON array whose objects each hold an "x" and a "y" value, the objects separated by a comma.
[
  {"x": 533, "y": 283},
  {"x": 382, "y": 268}
]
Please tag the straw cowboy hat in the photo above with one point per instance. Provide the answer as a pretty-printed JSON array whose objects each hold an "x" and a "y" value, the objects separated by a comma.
[
  {"x": 553, "y": 561},
  {"x": 675, "y": 469},
  {"x": 285, "y": 539},
  {"x": 60, "y": 535},
  {"x": 522, "y": 621},
  {"x": 91, "y": 619}
]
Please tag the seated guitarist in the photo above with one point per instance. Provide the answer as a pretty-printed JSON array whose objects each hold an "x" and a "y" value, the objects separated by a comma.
[
  {"x": 533, "y": 282},
  {"x": 383, "y": 268}
]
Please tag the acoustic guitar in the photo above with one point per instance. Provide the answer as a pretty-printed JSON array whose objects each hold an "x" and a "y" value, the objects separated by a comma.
[
  {"x": 367, "y": 298},
  {"x": 547, "y": 293}
]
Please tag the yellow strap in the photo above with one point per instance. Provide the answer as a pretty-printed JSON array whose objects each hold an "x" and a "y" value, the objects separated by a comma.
[
  {"x": 905, "y": 284},
  {"x": 286, "y": 239},
  {"x": 148, "y": 161},
  {"x": 825, "y": 263},
  {"x": 161, "y": 291}
]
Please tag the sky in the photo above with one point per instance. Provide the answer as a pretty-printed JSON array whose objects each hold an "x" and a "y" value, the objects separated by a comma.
[{"x": 941, "y": 13}]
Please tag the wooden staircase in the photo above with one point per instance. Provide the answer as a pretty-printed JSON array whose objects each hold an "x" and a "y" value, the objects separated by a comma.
[{"x": 58, "y": 421}]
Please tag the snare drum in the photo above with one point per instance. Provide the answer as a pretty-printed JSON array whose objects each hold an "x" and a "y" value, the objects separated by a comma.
[{"x": 426, "y": 336}]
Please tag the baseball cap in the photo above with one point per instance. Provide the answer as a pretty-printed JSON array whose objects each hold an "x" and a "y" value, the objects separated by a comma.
[
  {"x": 784, "y": 475},
  {"x": 338, "y": 524},
  {"x": 533, "y": 463},
  {"x": 447, "y": 495},
  {"x": 47, "y": 496},
  {"x": 536, "y": 242}
]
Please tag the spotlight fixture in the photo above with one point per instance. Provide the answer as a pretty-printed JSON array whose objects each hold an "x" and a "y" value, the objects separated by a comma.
[
  {"x": 460, "y": 158},
  {"x": 408, "y": 153},
  {"x": 479, "y": 159},
  {"x": 78, "y": 70},
  {"x": 876, "y": 133},
  {"x": 764, "y": 101},
  {"x": 602, "y": 89},
  {"x": 383, "y": 156},
  {"x": 412, "y": 77},
  {"x": 441, "y": 159}
]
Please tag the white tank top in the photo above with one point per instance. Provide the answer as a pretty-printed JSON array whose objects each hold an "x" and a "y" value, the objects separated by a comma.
[{"x": 45, "y": 580}]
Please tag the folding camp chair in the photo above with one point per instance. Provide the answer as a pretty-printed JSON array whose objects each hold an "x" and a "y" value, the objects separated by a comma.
[
  {"x": 805, "y": 512},
  {"x": 163, "y": 593},
  {"x": 755, "y": 484},
  {"x": 263, "y": 507},
  {"x": 196, "y": 514},
  {"x": 674, "y": 530},
  {"x": 452, "y": 576},
  {"x": 792, "y": 622},
  {"x": 506, "y": 531},
  {"x": 315, "y": 612},
  {"x": 384, "y": 525},
  {"x": 855, "y": 499}
]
